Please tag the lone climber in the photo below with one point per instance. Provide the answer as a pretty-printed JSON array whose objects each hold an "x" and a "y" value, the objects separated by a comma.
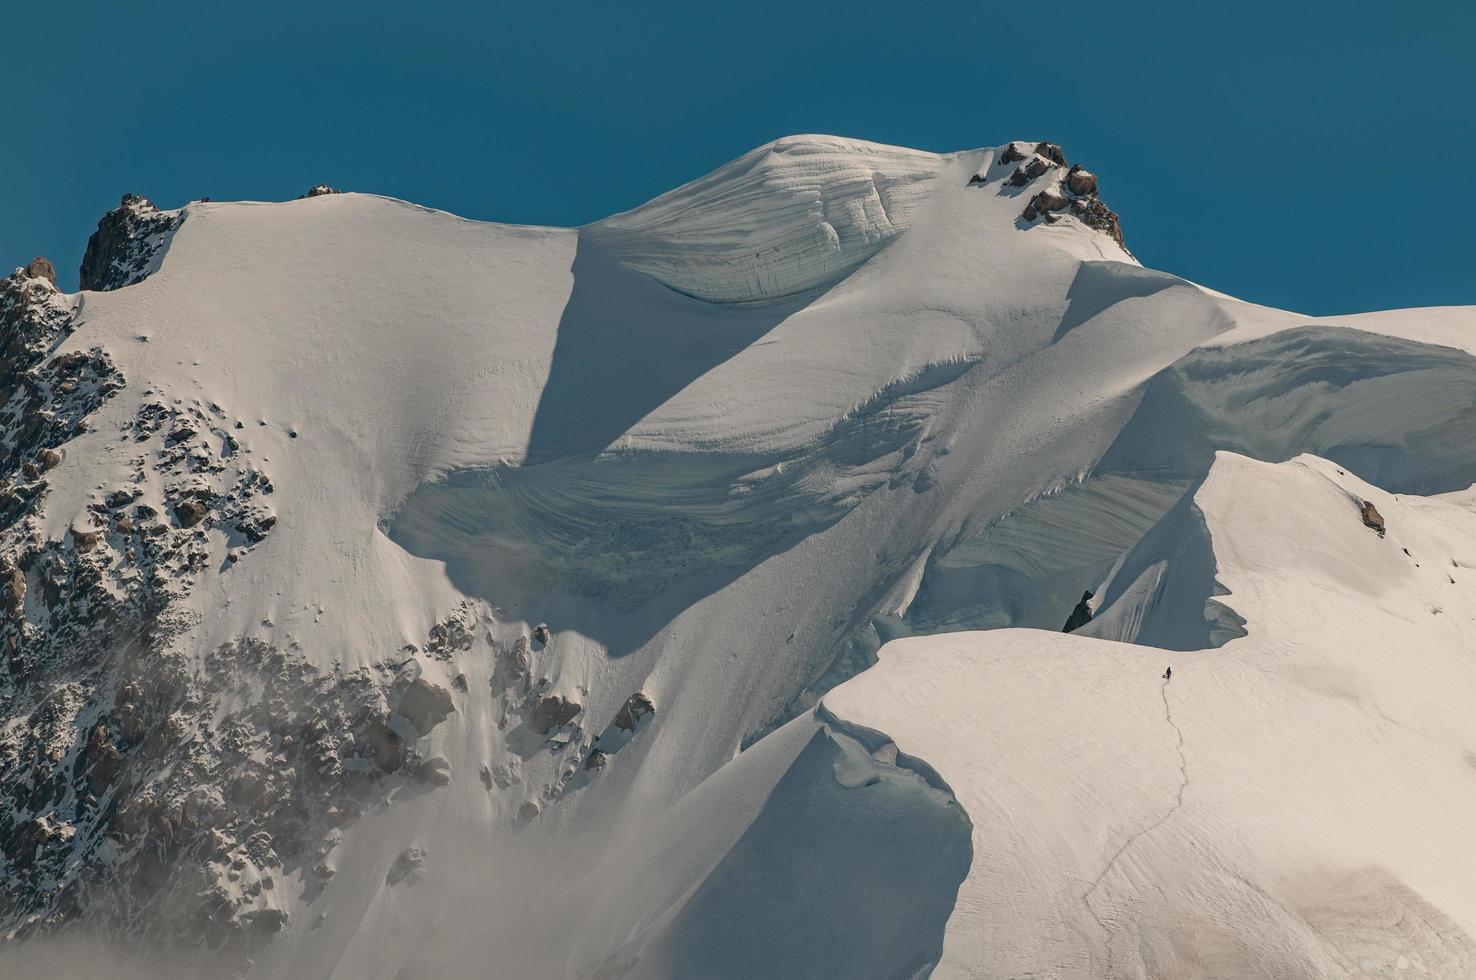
[{"x": 1167, "y": 674}]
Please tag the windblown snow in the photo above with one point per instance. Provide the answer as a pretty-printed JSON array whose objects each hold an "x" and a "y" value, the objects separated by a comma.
[{"x": 682, "y": 595}]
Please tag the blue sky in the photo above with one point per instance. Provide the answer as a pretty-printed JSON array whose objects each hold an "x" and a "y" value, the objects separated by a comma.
[{"x": 1314, "y": 156}]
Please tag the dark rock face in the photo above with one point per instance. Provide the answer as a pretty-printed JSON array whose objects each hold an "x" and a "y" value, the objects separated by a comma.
[
  {"x": 1044, "y": 203},
  {"x": 1098, "y": 216},
  {"x": 1051, "y": 152},
  {"x": 318, "y": 190},
  {"x": 425, "y": 705},
  {"x": 121, "y": 252},
  {"x": 1011, "y": 154},
  {"x": 1081, "y": 181},
  {"x": 1025, "y": 173},
  {"x": 41, "y": 268},
  {"x": 1080, "y": 616},
  {"x": 1074, "y": 194},
  {"x": 551, "y": 711},
  {"x": 635, "y": 708},
  {"x": 1372, "y": 518},
  {"x": 386, "y": 748},
  {"x": 407, "y": 867}
]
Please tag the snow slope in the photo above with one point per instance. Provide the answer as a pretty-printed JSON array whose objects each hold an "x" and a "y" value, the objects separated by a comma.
[
  {"x": 722, "y": 448},
  {"x": 1289, "y": 804}
]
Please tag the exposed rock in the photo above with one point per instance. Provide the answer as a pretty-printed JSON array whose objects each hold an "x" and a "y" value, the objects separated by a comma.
[
  {"x": 13, "y": 588},
  {"x": 190, "y": 512},
  {"x": 264, "y": 920},
  {"x": 121, "y": 252},
  {"x": 551, "y": 711},
  {"x": 1081, "y": 181},
  {"x": 1372, "y": 518},
  {"x": 1011, "y": 154},
  {"x": 1080, "y": 616},
  {"x": 409, "y": 865},
  {"x": 41, "y": 268},
  {"x": 1051, "y": 152},
  {"x": 435, "y": 770},
  {"x": 515, "y": 661},
  {"x": 425, "y": 705},
  {"x": 257, "y": 527},
  {"x": 541, "y": 634},
  {"x": 49, "y": 459},
  {"x": 528, "y": 811},
  {"x": 386, "y": 748},
  {"x": 1098, "y": 216},
  {"x": 1025, "y": 173},
  {"x": 1045, "y": 202},
  {"x": 635, "y": 708},
  {"x": 318, "y": 190},
  {"x": 596, "y": 761},
  {"x": 103, "y": 759}
]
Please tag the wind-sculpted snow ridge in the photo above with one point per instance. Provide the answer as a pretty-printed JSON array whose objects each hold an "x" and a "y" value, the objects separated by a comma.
[
  {"x": 388, "y": 594},
  {"x": 787, "y": 217},
  {"x": 1290, "y": 804}
]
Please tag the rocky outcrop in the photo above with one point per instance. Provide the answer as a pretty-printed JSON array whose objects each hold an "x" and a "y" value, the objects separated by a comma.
[
  {"x": 41, "y": 268},
  {"x": 1099, "y": 217},
  {"x": 1372, "y": 519},
  {"x": 1051, "y": 152},
  {"x": 407, "y": 867},
  {"x": 1080, "y": 616},
  {"x": 1081, "y": 181},
  {"x": 425, "y": 705},
  {"x": 1045, "y": 202},
  {"x": 125, "y": 248},
  {"x": 1073, "y": 193},
  {"x": 1026, "y": 172},
  {"x": 319, "y": 190},
  {"x": 636, "y": 708},
  {"x": 551, "y": 711}
]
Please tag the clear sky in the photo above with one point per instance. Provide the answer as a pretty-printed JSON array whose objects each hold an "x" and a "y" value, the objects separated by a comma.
[{"x": 1317, "y": 156}]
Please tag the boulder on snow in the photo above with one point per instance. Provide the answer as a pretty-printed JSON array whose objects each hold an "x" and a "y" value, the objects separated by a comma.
[
  {"x": 425, "y": 705},
  {"x": 1081, "y": 615},
  {"x": 1045, "y": 202},
  {"x": 635, "y": 708},
  {"x": 1025, "y": 173},
  {"x": 408, "y": 865},
  {"x": 551, "y": 711},
  {"x": 319, "y": 190},
  {"x": 541, "y": 634},
  {"x": 1372, "y": 518},
  {"x": 190, "y": 512},
  {"x": 41, "y": 268},
  {"x": 1081, "y": 181},
  {"x": 1011, "y": 154}
]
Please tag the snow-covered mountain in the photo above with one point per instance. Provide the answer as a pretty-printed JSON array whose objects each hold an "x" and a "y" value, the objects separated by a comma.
[{"x": 391, "y": 595}]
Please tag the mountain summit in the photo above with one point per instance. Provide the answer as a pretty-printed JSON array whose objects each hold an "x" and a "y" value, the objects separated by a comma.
[{"x": 393, "y": 595}]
